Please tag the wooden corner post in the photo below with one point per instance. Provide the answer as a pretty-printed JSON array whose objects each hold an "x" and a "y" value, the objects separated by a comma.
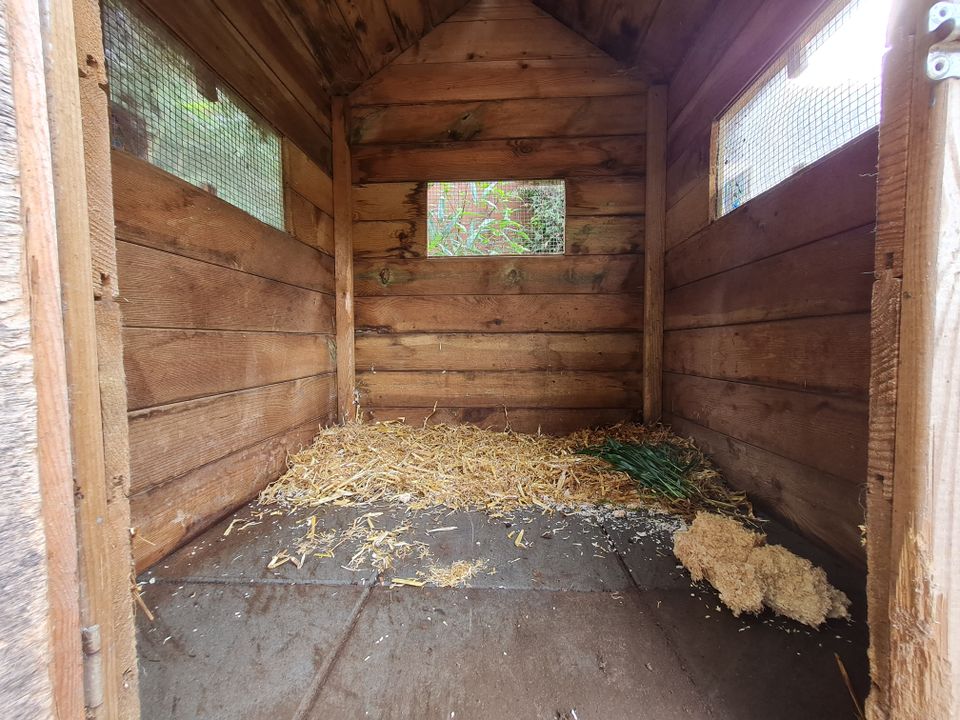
[
  {"x": 655, "y": 222},
  {"x": 343, "y": 253}
]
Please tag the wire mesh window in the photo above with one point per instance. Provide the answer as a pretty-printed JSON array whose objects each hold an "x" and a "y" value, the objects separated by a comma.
[
  {"x": 496, "y": 217},
  {"x": 167, "y": 107},
  {"x": 821, "y": 94}
]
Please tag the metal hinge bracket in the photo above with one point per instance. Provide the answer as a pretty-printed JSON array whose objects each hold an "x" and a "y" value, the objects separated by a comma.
[
  {"x": 92, "y": 667},
  {"x": 943, "y": 58}
]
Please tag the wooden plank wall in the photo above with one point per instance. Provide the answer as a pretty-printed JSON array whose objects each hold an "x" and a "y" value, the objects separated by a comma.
[
  {"x": 500, "y": 90},
  {"x": 767, "y": 352},
  {"x": 228, "y": 343}
]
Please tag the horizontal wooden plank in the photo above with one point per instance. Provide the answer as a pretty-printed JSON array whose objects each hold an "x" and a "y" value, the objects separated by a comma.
[
  {"x": 835, "y": 195},
  {"x": 497, "y": 10},
  {"x": 604, "y": 235},
  {"x": 501, "y": 159},
  {"x": 308, "y": 223},
  {"x": 498, "y": 80},
  {"x": 499, "y": 119},
  {"x": 165, "y": 366},
  {"x": 156, "y": 209},
  {"x": 500, "y": 313},
  {"x": 169, "y": 515},
  {"x": 306, "y": 177},
  {"x": 689, "y": 214},
  {"x": 587, "y": 197},
  {"x": 159, "y": 289},
  {"x": 168, "y": 441},
  {"x": 500, "y": 351},
  {"x": 390, "y": 239},
  {"x": 826, "y": 432},
  {"x": 825, "y": 354},
  {"x": 820, "y": 506},
  {"x": 496, "y": 389},
  {"x": 389, "y": 201},
  {"x": 515, "y": 275},
  {"x": 547, "y": 421},
  {"x": 829, "y": 277},
  {"x": 485, "y": 40},
  {"x": 623, "y": 195}
]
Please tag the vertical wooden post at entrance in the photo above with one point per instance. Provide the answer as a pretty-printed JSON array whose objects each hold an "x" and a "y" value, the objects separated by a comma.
[{"x": 343, "y": 253}]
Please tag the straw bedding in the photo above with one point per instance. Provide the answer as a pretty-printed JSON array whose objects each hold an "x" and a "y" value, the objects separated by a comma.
[{"x": 464, "y": 467}]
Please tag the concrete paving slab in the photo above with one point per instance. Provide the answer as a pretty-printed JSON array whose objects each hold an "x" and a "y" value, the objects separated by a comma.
[
  {"x": 478, "y": 654},
  {"x": 244, "y": 554},
  {"x": 556, "y": 552},
  {"x": 236, "y": 651},
  {"x": 760, "y": 667},
  {"x": 645, "y": 542}
]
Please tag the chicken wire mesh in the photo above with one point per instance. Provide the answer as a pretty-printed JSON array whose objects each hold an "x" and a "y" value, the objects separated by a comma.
[
  {"x": 167, "y": 107},
  {"x": 496, "y": 217},
  {"x": 821, "y": 94}
]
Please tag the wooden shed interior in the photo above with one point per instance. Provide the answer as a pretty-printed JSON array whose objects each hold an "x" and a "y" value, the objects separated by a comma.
[{"x": 747, "y": 331}]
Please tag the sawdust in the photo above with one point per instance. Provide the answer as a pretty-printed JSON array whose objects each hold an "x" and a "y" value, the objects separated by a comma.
[{"x": 749, "y": 575}]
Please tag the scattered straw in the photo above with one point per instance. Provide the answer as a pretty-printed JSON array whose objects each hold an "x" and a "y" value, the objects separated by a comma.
[
  {"x": 464, "y": 467},
  {"x": 455, "y": 575}
]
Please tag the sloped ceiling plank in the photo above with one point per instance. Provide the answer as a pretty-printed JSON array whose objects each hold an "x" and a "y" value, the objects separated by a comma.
[
  {"x": 373, "y": 31},
  {"x": 498, "y": 40},
  {"x": 268, "y": 31},
  {"x": 411, "y": 20},
  {"x": 322, "y": 27},
  {"x": 652, "y": 36}
]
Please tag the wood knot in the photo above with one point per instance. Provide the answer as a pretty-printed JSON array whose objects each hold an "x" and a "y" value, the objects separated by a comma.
[{"x": 384, "y": 276}]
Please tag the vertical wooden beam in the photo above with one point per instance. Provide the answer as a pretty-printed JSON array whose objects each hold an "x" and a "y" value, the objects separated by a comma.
[
  {"x": 104, "y": 561},
  {"x": 654, "y": 238},
  {"x": 30, "y": 159},
  {"x": 94, "y": 111},
  {"x": 343, "y": 251},
  {"x": 925, "y": 591}
]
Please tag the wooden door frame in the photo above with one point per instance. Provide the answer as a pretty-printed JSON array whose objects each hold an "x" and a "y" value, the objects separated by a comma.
[
  {"x": 62, "y": 139},
  {"x": 913, "y": 503}
]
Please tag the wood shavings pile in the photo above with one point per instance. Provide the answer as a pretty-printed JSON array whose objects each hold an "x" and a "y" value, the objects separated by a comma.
[
  {"x": 464, "y": 467},
  {"x": 749, "y": 574}
]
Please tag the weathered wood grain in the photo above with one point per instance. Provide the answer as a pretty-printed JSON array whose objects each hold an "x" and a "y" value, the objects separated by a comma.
[
  {"x": 521, "y": 275},
  {"x": 160, "y": 289},
  {"x": 168, "y": 515},
  {"x": 390, "y": 239},
  {"x": 500, "y": 351},
  {"x": 306, "y": 177},
  {"x": 826, "y": 432},
  {"x": 165, "y": 366},
  {"x": 498, "y": 80},
  {"x": 499, "y": 119},
  {"x": 822, "y": 354},
  {"x": 566, "y": 388},
  {"x": 531, "y": 158},
  {"x": 157, "y": 210},
  {"x": 500, "y": 313},
  {"x": 828, "y": 277},
  {"x": 169, "y": 441}
]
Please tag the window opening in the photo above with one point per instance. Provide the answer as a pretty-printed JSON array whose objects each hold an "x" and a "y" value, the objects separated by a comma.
[
  {"x": 168, "y": 107},
  {"x": 823, "y": 92},
  {"x": 496, "y": 217}
]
